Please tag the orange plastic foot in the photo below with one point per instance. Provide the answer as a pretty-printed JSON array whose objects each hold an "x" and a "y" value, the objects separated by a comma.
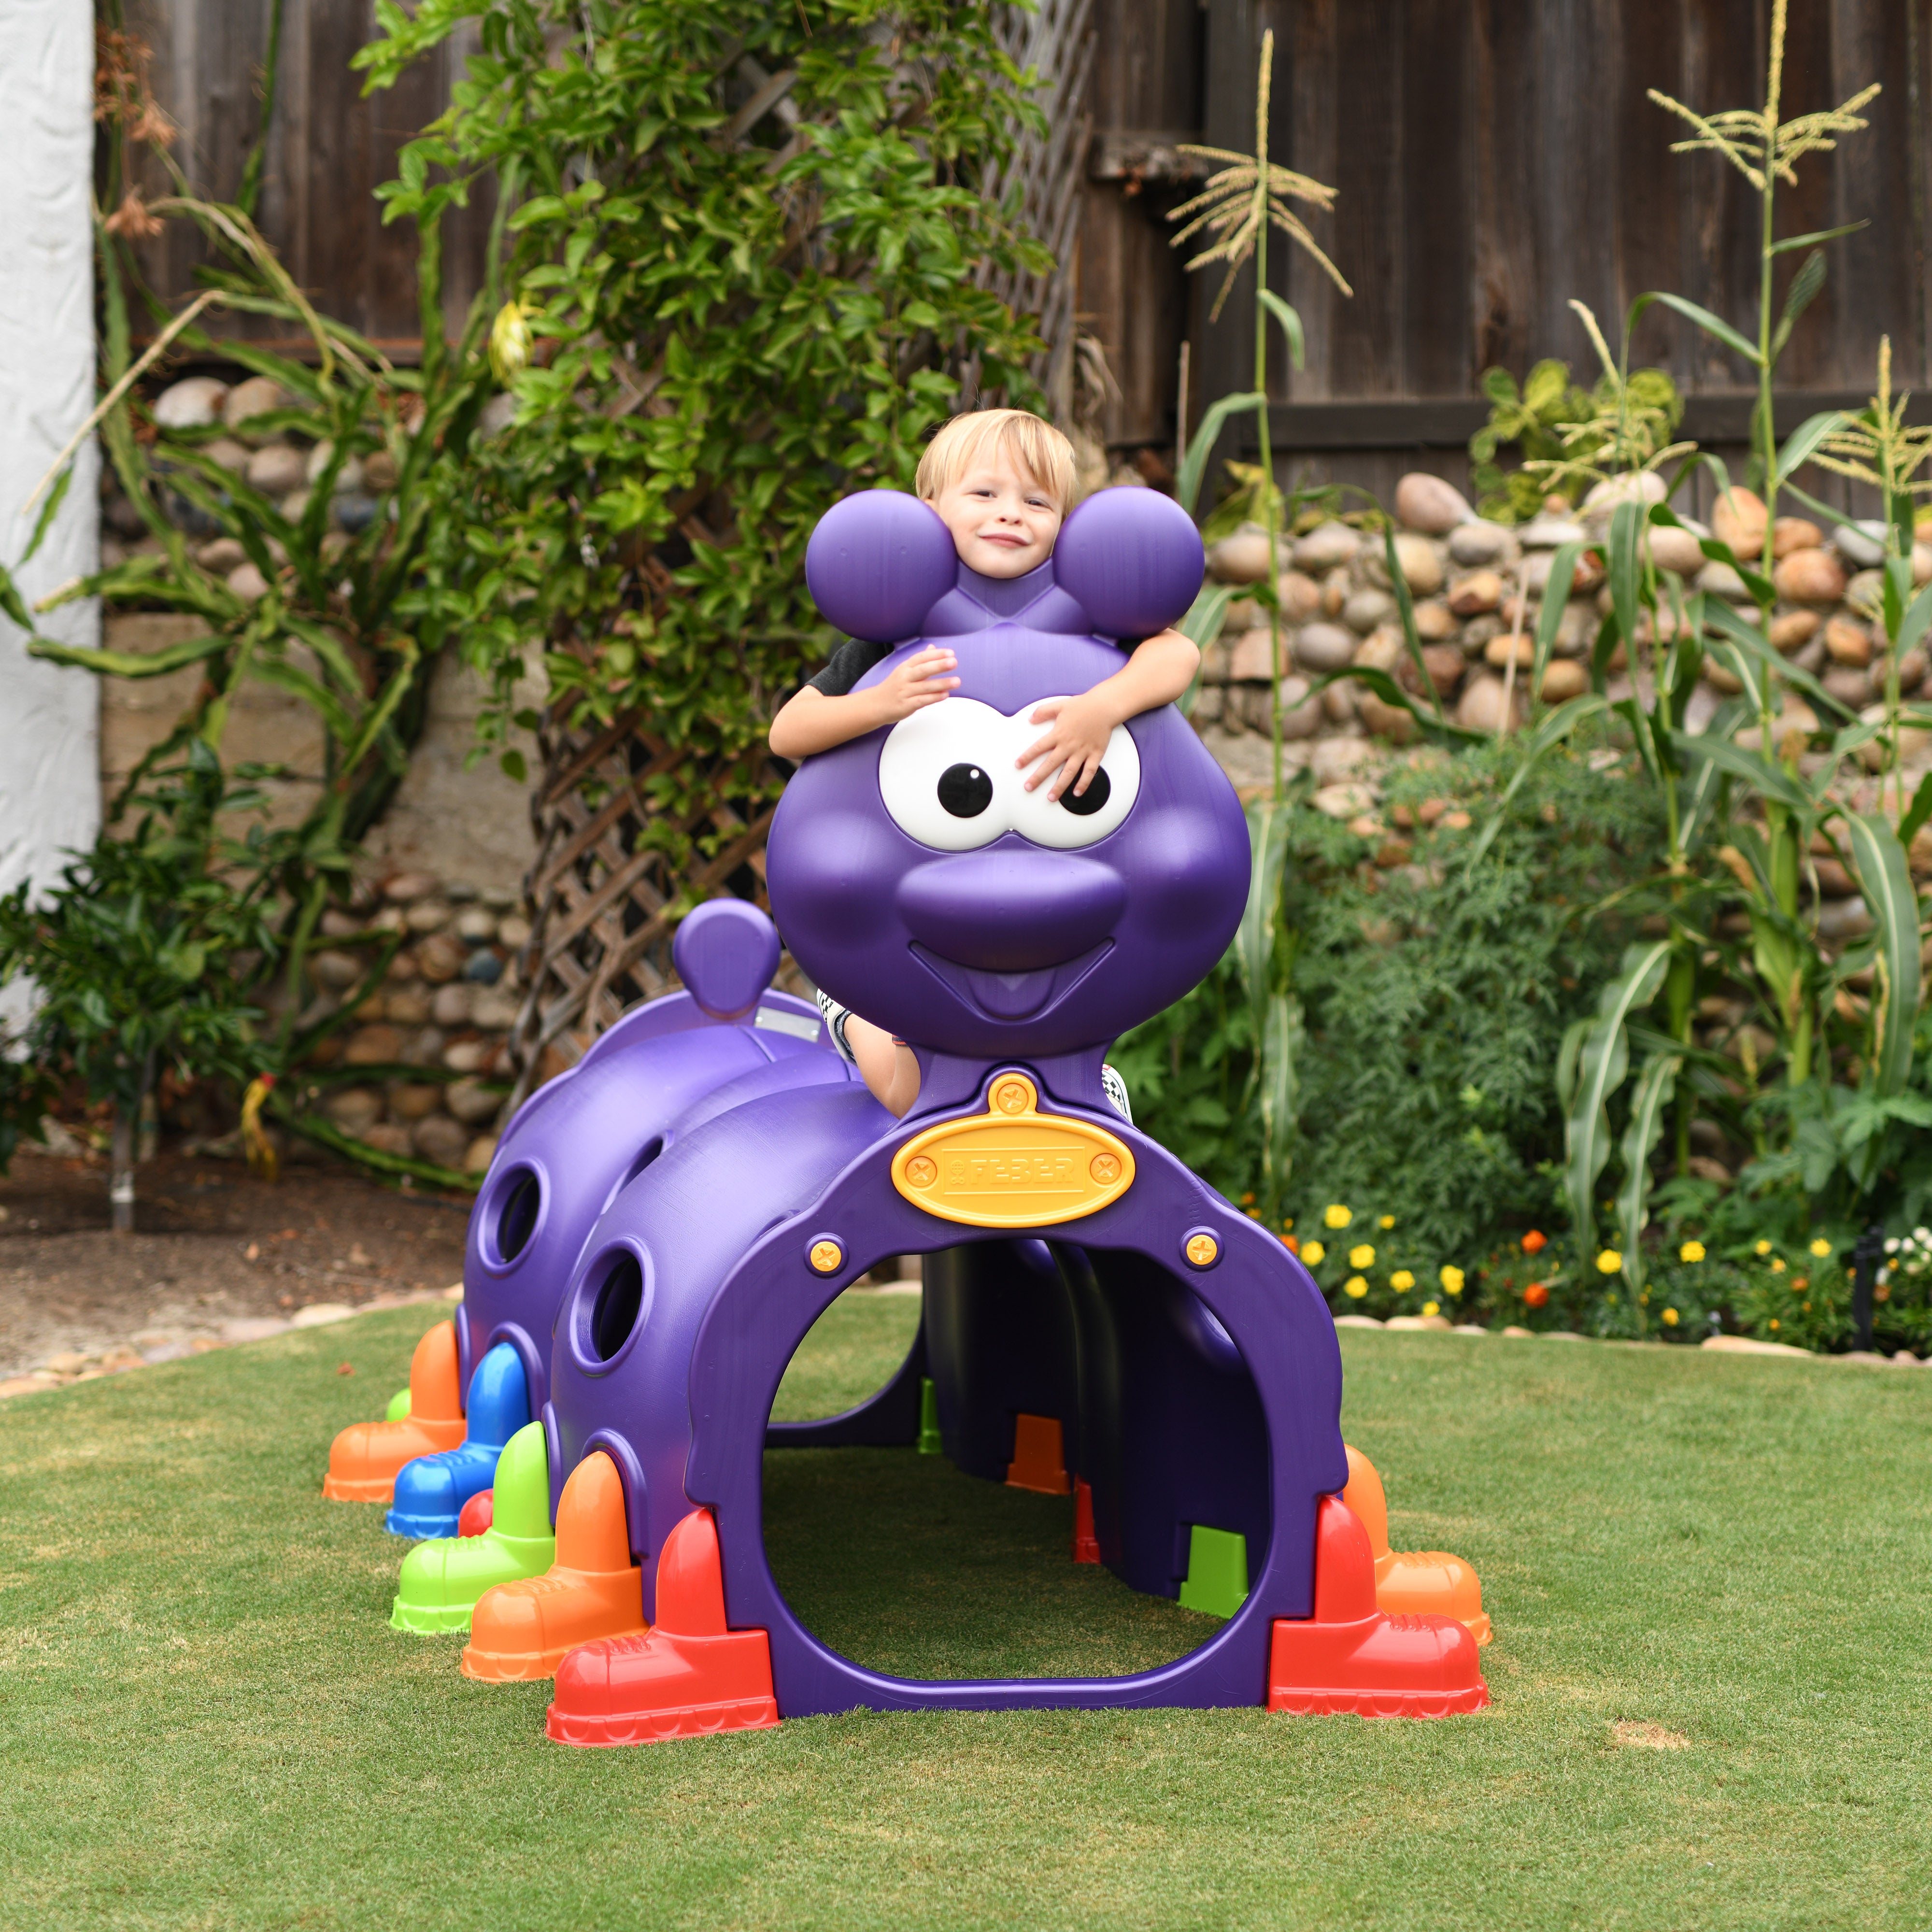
[
  {"x": 1421, "y": 1583},
  {"x": 1086, "y": 1544},
  {"x": 521, "y": 1630},
  {"x": 1039, "y": 1462},
  {"x": 1351, "y": 1656},
  {"x": 363, "y": 1459},
  {"x": 687, "y": 1677}
]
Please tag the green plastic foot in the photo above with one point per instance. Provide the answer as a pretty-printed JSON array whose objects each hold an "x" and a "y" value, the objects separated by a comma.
[
  {"x": 442, "y": 1578},
  {"x": 929, "y": 1443},
  {"x": 398, "y": 1410},
  {"x": 1217, "y": 1571}
]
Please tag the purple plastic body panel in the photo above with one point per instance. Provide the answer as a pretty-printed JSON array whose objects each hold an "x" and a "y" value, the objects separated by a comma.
[
  {"x": 1186, "y": 1396},
  {"x": 580, "y": 1134}
]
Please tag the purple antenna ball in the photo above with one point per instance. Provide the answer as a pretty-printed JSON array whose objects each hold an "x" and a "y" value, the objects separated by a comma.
[
  {"x": 877, "y": 563},
  {"x": 1132, "y": 560},
  {"x": 726, "y": 952}
]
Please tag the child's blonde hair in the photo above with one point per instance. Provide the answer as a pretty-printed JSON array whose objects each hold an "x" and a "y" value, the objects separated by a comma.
[{"x": 1035, "y": 448}]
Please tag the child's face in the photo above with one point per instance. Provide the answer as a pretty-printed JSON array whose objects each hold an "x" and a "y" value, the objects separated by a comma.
[{"x": 1004, "y": 524}]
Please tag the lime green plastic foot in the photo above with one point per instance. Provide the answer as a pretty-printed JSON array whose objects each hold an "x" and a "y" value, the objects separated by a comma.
[
  {"x": 441, "y": 1580},
  {"x": 398, "y": 1410},
  {"x": 1217, "y": 1571},
  {"x": 929, "y": 1443}
]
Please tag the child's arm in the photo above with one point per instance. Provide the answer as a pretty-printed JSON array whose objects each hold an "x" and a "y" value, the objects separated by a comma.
[
  {"x": 1160, "y": 669},
  {"x": 809, "y": 722}
]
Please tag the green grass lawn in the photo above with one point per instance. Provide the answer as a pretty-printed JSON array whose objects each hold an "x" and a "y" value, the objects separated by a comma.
[{"x": 206, "y": 1721}]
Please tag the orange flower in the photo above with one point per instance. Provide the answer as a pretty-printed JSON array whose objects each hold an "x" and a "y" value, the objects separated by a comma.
[
  {"x": 1536, "y": 1295},
  {"x": 1289, "y": 1242},
  {"x": 1535, "y": 1242}
]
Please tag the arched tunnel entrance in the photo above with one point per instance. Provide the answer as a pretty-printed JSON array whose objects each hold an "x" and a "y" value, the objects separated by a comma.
[{"x": 1025, "y": 1461}]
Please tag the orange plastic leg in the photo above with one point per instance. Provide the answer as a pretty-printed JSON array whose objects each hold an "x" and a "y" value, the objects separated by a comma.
[
  {"x": 1039, "y": 1459},
  {"x": 1422, "y": 1582},
  {"x": 688, "y": 1676},
  {"x": 363, "y": 1459},
  {"x": 1350, "y": 1656},
  {"x": 521, "y": 1630}
]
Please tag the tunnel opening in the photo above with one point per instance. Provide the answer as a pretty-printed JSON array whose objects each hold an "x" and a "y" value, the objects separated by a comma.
[{"x": 1080, "y": 1489}]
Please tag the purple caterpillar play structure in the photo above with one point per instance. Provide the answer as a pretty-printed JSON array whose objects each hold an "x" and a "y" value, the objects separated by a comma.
[{"x": 663, "y": 1224}]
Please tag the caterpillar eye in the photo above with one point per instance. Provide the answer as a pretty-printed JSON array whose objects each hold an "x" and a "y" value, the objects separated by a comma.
[
  {"x": 1084, "y": 804},
  {"x": 965, "y": 790}
]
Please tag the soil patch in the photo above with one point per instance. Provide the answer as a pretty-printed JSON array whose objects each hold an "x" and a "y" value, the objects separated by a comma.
[{"x": 218, "y": 1254}]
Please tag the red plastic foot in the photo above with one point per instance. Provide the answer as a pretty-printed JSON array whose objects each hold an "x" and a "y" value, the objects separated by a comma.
[
  {"x": 686, "y": 1677},
  {"x": 1039, "y": 1463},
  {"x": 477, "y": 1514},
  {"x": 1086, "y": 1544},
  {"x": 1350, "y": 1656}
]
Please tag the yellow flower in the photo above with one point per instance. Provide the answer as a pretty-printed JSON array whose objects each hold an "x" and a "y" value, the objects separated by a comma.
[
  {"x": 1362, "y": 1257},
  {"x": 1402, "y": 1281},
  {"x": 1432, "y": 1308},
  {"x": 1821, "y": 1247},
  {"x": 1355, "y": 1288},
  {"x": 1451, "y": 1279},
  {"x": 1777, "y": 1264},
  {"x": 1312, "y": 1251},
  {"x": 1764, "y": 1247},
  {"x": 1774, "y": 1321},
  {"x": 1670, "y": 1318},
  {"x": 1336, "y": 1215},
  {"x": 1386, "y": 1222},
  {"x": 1691, "y": 1251},
  {"x": 1288, "y": 1226},
  {"x": 1608, "y": 1261},
  {"x": 511, "y": 340}
]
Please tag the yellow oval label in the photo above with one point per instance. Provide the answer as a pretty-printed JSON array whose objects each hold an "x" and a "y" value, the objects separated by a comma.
[{"x": 1013, "y": 1166}]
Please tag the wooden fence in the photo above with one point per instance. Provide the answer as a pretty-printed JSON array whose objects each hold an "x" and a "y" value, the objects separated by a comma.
[{"x": 1494, "y": 158}]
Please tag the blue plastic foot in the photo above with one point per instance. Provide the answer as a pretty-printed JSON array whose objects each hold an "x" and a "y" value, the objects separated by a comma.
[{"x": 430, "y": 1491}]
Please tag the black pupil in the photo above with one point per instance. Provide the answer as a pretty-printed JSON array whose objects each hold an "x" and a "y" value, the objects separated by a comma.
[
  {"x": 965, "y": 790},
  {"x": 1091, "y": 799}
]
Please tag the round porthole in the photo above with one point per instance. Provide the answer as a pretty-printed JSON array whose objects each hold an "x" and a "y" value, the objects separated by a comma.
[
  {"x": 609, "y": 1307},
  {"x": 514, "y": 1218}
]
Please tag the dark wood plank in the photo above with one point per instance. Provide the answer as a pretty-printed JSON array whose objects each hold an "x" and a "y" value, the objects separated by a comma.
[
  {"x": 1438, "y": 190},
  {"x": 1504, "y": 267},
  {"x": 1366, "y": 357}
]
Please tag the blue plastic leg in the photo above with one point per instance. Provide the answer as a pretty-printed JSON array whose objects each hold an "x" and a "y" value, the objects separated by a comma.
[{"x": 430, "y": 1491}]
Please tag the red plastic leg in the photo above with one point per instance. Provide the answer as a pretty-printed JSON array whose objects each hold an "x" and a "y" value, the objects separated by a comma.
[
  {"x": 686, "y": 1677},
  {"x": 477, "y": 1514},
  {"x": 1350, "y": 1656},
  {"x": 1086, "y": 1544}
]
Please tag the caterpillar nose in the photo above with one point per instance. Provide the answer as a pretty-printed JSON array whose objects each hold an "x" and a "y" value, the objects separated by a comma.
[{"x": 1013, "y": 911}]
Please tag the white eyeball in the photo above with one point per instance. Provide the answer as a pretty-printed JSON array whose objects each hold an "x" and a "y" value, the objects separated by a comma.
[
  {"x": 1066, "y": 821},
  {"x": 947, "y": 777}
]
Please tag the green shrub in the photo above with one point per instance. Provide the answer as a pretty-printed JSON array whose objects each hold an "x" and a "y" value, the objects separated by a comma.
[{"x": 1434, "y": 998}]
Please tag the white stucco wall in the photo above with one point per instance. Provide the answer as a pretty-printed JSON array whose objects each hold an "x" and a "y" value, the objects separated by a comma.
[{"x": 50, "y": 797}]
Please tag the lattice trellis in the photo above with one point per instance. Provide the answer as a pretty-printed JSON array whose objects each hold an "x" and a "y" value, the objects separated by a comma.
[
  {"x": 601, "y": 892},
  {"x": 1057, "y": 41}
]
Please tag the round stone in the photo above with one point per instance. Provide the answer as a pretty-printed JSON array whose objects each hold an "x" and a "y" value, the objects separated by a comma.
[
  {"x": 246, "y": 580},
  {"x": 1564, "y": 678},
  {"x": 405, "y": 888},
  {"x": 1811, "y": 575},
  {"x": 1428, "y": 504},
  {"x": 1482, "y": 706},
  {"x": 483, "y": 968},
  {"x": 471, "y": 1102},
  {"x": 1323, "y": 647},
  {"x": 1324, "y": 548},
  {"x": 1848, "y": 642},
  {"x": 1676, "y": 550},
  {"x": 277, "y": 470},
  {"x": 442, "y": 1142},
  {"x": 1738, "y": 519},
  {"x": 254, "y": 398},
  {"x": 1482, "y": 590},
  {"x": 1242, "y": 558},
  {"x": 355, "y": 510},
  {"x": 193, "y": 403},
  {"x": 1791, "y": 533},
  {"x": 1366, "y": 609},
  {"x": 1480, "y": 542},
  {"x": 1420, "y": 563}
]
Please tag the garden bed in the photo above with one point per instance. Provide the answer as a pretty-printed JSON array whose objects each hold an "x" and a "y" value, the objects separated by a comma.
[{"x": 1710, "y": 1676}]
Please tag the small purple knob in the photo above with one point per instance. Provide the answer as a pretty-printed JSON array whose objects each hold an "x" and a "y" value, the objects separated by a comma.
[
  {"x": 1133, "y": 559},
  {"x": 726, "y": 952},
  {"x": 877, "y": 563}
]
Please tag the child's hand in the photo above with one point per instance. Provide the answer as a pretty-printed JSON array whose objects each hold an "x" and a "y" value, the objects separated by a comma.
[
  {"x": 920, "y": 681},
  {"x": 1070, "y": 753}
]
